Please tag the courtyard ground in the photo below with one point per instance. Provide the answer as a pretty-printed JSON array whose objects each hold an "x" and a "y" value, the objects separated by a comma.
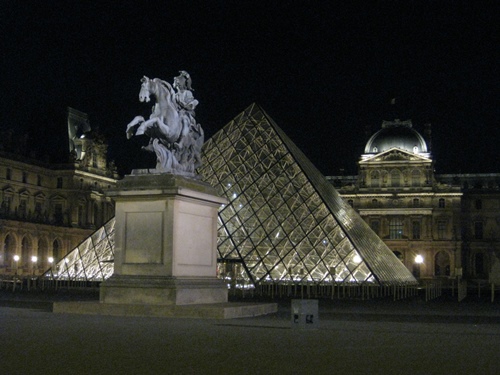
[{"x": 409, "y": 336}]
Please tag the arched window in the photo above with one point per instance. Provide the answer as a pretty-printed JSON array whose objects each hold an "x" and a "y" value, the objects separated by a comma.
[
  {"x": 43, "y": 252},
  {"x": 398, "y": 255},
  {"x": 350, "y": 202},
  {"x": 9, "y": 249},
  {"x": 56, "y": 250},
  {"x": 395, "y": 178},
  {"x": 26, "y": 251}
]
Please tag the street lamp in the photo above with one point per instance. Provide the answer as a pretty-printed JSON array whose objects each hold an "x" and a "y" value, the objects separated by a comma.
[
  {"x": 419, "y": 259},
  {"x": 34, "y": 259},
  {"x": 16, "y": 260}
]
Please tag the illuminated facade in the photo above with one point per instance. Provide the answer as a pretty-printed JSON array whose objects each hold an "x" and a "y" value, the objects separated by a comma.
[
  {"x": 437, "y": 225},
  {"x": 284, "y": 222},
  {"x": 46, "y": 210}
]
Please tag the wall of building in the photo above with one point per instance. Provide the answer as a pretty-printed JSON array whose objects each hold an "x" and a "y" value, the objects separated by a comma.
[{"x": 46, "y": 210}]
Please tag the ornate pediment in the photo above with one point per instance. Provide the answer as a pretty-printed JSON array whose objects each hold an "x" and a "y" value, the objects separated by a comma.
[{"x": 394, "y": 154}]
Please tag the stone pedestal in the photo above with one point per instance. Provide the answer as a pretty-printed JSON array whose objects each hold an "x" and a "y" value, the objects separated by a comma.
[{"x": 165, "y": 242}]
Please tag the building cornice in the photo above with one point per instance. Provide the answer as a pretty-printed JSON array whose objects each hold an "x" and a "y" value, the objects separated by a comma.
[
  {"x": 400, "y": 195},
  {"x": 395, "y": 211}
]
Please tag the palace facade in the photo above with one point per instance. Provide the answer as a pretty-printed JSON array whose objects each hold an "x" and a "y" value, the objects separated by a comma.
[
  {"x": 438, "y": 225},
  {"x": 47, "y": 209}
]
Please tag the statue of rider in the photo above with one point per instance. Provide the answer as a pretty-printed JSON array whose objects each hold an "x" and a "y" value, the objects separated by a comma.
[{"x": 186, "y": 103}]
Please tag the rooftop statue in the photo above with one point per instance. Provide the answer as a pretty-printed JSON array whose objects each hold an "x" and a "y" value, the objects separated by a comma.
[{"x": 174, "y": 135}]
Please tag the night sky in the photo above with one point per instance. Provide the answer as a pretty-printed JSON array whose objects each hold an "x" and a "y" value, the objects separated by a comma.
[{"x": 325, "y": 71}]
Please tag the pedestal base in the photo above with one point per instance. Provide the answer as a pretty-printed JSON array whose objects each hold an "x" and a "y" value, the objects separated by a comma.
[
  {"x": 147, "y": 290},
  {"x": 226, "y": 310}
]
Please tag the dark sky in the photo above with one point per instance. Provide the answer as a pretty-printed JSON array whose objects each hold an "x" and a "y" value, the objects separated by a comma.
[{"x": 323, "y": 70}]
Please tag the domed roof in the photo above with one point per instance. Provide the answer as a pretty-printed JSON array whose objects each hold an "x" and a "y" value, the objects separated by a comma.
[{"x": 396, "y": 134}]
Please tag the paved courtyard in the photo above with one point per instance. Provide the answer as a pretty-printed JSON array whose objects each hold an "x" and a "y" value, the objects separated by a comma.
[{"x": 352, "y": 337}]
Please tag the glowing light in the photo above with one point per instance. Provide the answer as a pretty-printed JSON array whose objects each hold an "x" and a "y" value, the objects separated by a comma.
[
  {"x": 16, "y": 258},
  {"x": 235, "y": 195},
  {"x": 357, "y": 259},
  {"x": 51, "y": 259},
  {"x": 34, "y": 259},
  {"x": 419, "y": 259}
]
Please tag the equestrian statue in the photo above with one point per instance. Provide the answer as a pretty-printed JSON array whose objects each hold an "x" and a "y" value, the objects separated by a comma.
[{"x": 175, "y": 137}]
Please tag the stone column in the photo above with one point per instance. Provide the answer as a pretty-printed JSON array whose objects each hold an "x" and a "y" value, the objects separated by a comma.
[{"x": 165, "y": 242}]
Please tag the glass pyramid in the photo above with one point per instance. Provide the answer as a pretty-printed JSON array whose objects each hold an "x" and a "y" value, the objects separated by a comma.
[
  {"x": 92, "y": 260},
  {"x": 284, "y": 221}
]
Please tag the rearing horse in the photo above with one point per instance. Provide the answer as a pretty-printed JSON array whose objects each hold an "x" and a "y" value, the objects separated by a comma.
[{"x": 164, "y": 123}]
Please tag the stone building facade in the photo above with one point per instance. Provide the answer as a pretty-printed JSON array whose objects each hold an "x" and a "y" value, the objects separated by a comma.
[
  {"x": 45, "y": 209},
  {"x": 437, "y": 225}
]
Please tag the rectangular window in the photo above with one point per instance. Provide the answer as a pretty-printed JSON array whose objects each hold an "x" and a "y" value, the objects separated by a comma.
[
  {"x": 38, "y": 210},
  {"x": 22, "y": 208},
  {"x": 416, "y": 230},
  {"x": 441, "y": 229},
  {"x": 478, "y": 230},
  {"x": 416, "y": 202},
  {"x": 6, "y": 205},
  {"x": 25, "y": 177},
  {"x": 58, "y": 214},
  {"x": 479, "y": 204},
  {"x": 415, "y": 178},
  {"x": 8, "y": 174},
  {"x": 59, "y": 182},
  {"x": 39, "y": 180},
  {"x": 396, "y": 229},
  {"x": 441, "y": 203},
  {"x": 375, "y": 225}
]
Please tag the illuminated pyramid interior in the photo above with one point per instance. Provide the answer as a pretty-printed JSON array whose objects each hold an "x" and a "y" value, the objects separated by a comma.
[{"x": 284, "y": 221}]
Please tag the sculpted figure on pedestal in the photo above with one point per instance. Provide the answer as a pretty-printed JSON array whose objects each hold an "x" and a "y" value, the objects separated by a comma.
[{"x": 175, "y": 137}]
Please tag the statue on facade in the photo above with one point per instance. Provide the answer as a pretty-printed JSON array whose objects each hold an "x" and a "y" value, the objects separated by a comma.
[{"x": 175, "y": 137}]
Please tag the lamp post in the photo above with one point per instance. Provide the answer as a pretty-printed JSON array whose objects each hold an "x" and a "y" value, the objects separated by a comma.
[
  {"x": 419, "y": 259},
  {"x": 16, "y": 261},
  {"x": 34, "y": 259}
]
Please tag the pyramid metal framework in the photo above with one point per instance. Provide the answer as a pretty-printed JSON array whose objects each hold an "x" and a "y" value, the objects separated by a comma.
[
  {"x": 91, "y": 260},
  {"x": 284, "y": 222}
]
